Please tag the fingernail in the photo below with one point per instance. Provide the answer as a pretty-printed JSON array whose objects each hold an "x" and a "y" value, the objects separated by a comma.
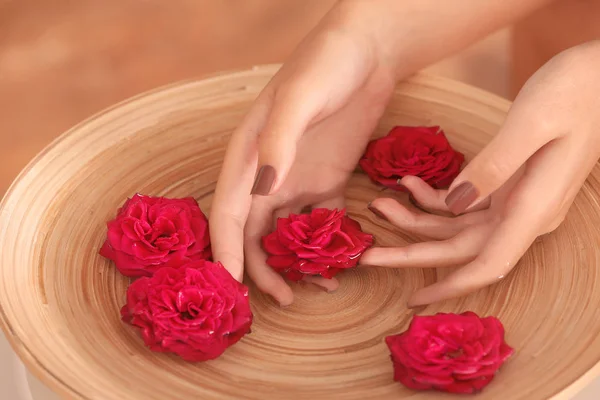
[
  {"x": 461, "y": 197},
  {"x": 264, "y": 181},
  {"x": 376, "y": 212},
  {"x": 401, "y": 186}
]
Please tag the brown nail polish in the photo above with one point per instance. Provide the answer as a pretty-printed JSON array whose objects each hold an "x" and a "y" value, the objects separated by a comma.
[
  {"x": 459, "y": 199},
  {"x": 376, "y": 212},
  {"x": 264, "y": 181}
]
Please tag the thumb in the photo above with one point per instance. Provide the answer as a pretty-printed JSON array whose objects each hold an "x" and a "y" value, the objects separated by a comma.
[
  {"x": 517, "y": 141},
  {"x": 290, "y": 115}
]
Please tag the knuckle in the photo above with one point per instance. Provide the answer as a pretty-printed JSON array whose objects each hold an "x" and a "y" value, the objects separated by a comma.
[
  {"x": 409, "y": 220},
  {"x": 554, "y": 224},
  {"x": 405, "y": 254},
  {"x": 496, "y": 170}
]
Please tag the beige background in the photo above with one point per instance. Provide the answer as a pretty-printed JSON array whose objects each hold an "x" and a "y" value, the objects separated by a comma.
[{"x": 61, "y": 61}]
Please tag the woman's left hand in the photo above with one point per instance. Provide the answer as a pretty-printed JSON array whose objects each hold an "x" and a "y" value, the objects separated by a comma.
[{"x": 519, "y": 187}]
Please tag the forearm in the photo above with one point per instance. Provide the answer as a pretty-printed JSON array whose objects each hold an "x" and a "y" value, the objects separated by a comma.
[{"x": 416, "y": 33}]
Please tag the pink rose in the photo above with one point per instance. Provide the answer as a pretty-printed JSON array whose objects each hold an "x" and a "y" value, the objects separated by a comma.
[
  {"x": 196, "y": 311},
  {"x": 416, "y": 151},
  {"x": 449, "y": 352},
  {"x": 320, "y": 243},
  {"x": 153, "y": 232}
]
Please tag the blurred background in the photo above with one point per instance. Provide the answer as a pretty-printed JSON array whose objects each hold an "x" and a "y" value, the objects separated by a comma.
[
  {"x": 61, "y": 61},
  {"x": 64, "y": 60}
]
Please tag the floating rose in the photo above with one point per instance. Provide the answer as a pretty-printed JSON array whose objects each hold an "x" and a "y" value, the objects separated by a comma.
[
  {"x": 153, "y": 232},
  {"x": 418, "y": 151},
  {"x": 320, "y": 243},
  {"x": 195, "y": 311},
  {"x": 449, "y": 352}
]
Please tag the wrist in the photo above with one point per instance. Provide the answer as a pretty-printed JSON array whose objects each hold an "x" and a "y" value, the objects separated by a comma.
[
  {"x": 376, "y": 21},
  {"x": 409, "y": 35}
]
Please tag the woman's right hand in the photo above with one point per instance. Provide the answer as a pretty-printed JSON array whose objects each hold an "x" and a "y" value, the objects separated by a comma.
[{"x": 301, "y": 141}]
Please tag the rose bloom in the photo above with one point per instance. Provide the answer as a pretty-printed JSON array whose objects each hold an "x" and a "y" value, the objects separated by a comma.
[
  {"x": 417, "y": 151},
  {"x": 196, "y": 311},
  {"x": 153, "y": 232},
  {"x": 320, "y": 243},
  {"x": 449, "y": 352}
]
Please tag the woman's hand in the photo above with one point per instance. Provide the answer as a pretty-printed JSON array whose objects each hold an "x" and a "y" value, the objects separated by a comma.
[
  {"x": 519, "y": 187},
  {"x": 304, "y": 136}
]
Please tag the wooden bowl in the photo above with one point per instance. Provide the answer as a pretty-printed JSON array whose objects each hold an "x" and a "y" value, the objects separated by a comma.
[{"x": 60, "y": 300}]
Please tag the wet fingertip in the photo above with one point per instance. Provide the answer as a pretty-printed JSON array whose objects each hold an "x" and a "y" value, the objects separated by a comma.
[
  {"x": 285, "y": 303},
  {"x": 328, "y": 290},
  {"x": 285, "y": 297},
  {"x": 406, "y": 180},
  {"x": 416, "y": 304},
  {"x": 416, "y": 308},
  {"x": 334, "y": 287},
  {"x": 401, "y": 186}
]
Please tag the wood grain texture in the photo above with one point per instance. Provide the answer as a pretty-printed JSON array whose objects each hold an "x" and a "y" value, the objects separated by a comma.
[{"x": 60, "y": 300}]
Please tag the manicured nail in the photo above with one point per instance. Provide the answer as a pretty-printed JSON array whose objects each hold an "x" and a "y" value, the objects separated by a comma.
[
  {"x": 459, "y": 199},
  {"x": 376, "y": 212},
  {"x": 264, "y": 181},
  {"x": 401, "y": 186}
]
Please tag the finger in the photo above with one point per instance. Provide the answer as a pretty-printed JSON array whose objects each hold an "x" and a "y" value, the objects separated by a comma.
[
  {"x": 500, "y": 255},
  {"x": 430, "y": 199},
  {"x": 534, "y": 202},
  {"x": 231, "y": 202},
  {"x": 459, "y": 250},
  {"x": 290, "y": 116},
  {"x": 520, "y": 137},
  {"x": 423, "y": 224},
  {"x": 433, "y": 200},
  {"x": 330, "y": 285},
  {"x": 266, "y": 279},
  {"x": 315, "y": 85}
]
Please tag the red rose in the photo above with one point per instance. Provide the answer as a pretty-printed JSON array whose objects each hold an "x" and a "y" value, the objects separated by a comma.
[
  {"x": 154, "y": 232},
  {"x": 320, "y": 243},
  {"x": 196, "y": 311},
  {"x": 417, "y": 151},
  {"x": 449, "y": 352}
]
